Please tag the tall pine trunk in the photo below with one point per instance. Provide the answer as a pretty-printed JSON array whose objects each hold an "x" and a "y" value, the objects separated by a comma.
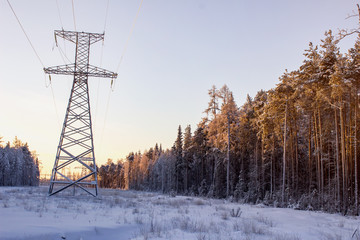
[
  {"x": 321, "y": 160},
  {"x": 316, "y": 142},
  {"x": 272, "y": 175},
  {"x": 262, "y": 181},
  {"x": 355, "y": 159},
  {"x": 343, "y": 158},
  {"x": 296, "y": 158},
  {"x": 228, "y": 161},
  {"x": 284, "y": 157},
  {"x": 337, "y": 157},
  {"x": 310, "y": 154}
]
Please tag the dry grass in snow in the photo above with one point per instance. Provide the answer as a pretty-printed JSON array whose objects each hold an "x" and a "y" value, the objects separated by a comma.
[{"x": 28, "y": 213}]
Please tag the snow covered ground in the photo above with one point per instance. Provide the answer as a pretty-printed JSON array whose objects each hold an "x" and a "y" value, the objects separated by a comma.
[{"x": 28, "y": 213}]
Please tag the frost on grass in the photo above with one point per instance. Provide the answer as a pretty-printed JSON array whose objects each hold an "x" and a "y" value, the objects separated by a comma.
[{"x": 117, "y": 214}]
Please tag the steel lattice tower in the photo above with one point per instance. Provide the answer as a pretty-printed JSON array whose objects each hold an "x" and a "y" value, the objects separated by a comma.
[{"x": 76, "y": 146}]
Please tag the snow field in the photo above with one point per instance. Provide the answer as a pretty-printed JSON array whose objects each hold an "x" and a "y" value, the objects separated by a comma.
[{"x": 28, "y": 213}]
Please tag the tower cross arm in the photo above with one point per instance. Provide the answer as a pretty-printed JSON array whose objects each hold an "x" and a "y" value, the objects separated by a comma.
[
  {"x": 68, "y": 69},
  {"x": 90, "y": 71},
  {"x": 74, "y": 36},
  {"x": 100, "y": 72}
]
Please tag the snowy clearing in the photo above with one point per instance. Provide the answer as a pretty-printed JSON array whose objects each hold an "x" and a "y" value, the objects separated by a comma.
[{"x": 28, "y": 213}]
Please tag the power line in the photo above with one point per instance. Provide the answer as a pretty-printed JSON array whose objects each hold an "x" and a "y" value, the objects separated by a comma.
[
  {"x": 105, "y": 118},
  {"x": 101, "y": 59},
  {"x": 63, "y": 54},
  {"x": 57, "y": 5},
  {"x": 118, "y": 67},
  {"x": 56, "y": 111},
  {"x": 106, "y": 14},
  {"x": 22, "y": 28},
  {"x": 53, "y": 97},
  {"x": 73, "y": 11},
  {"x": 37, "y": 55},
  {"x": 127, "y": 41},
  {"x": 102, "y": 46}
]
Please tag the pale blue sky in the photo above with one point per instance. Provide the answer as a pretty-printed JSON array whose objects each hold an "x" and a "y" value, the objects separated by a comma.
[{"x": 178, "y": 50}]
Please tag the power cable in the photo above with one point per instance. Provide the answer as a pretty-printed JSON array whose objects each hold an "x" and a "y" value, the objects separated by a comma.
[
  {"x": 37, "y": 55},
  {"x": 73, "y": 11},
  {"x": 53, "y": 97},
  {"x": 63, "y": 54},
  {"x": 56, "y": 111},
  {"x": 57, "y": 5},
  {"x": 102, "y": 46},
  {"x": 112, "y": 87},
  {"x": 106, "y": 14},
  {"x": 105, "y": 118},
  {"x": 62, "y": 27},
  {"x": 126, "y": 44},
  {"x": 22, "y": 28},
  {"x": 127, "y": 41},
  {"x": 101, "y": 58}
]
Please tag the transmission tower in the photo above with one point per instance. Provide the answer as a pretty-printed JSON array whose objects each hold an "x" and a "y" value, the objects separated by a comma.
[{"x": 76, "y": 146}]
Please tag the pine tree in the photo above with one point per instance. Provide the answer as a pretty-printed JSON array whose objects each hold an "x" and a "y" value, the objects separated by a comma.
[
  {"x": 179, "y": 166},
  {"x": 213, "y": 105},
  {"x": 187, "y": 156}
]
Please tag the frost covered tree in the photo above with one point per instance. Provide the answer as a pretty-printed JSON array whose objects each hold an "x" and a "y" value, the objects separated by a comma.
[
  {"x": 18, "y": 166},
  {"x": 294, "y": 145},
  {"x": 179, "y": 165},
  {"x": 187, "y": 156}
]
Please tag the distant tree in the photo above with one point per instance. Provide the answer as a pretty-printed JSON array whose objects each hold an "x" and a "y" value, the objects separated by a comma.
[
  {"x": 18, "y": 166},
  {"x": 213, "y": 105},
  {"x": 187, "y": 156},
  {"x": 296, "y": 144},
  {"x": 179, "y": 166}
]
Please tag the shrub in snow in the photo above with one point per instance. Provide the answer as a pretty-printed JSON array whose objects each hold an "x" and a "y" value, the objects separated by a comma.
[
  {"x": 224, "y": 216},
  {"x": 251, "y": 227},
  {"x": 236, "y": 213},
  {"x": 203, "y": 188},
  {"x": 309, "y": 201},
  {"x": 172, "y": 193},
  {"x": 268, "y": 222}
]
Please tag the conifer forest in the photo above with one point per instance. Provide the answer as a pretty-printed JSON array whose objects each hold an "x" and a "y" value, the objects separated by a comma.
[
  {"x": 18, "y": 165},
  {"x": 296, "y": 145}
]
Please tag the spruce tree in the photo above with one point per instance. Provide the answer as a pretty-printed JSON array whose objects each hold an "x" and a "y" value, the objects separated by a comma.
[{"x": 179, "y": 166}]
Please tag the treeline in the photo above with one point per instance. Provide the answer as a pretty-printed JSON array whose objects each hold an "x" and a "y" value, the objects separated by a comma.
[
  {"x": 18, "y": 166},
  {"x": 293, "y": 146}
]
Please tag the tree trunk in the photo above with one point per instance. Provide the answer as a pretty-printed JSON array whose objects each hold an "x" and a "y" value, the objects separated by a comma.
[
  {"x": 186, "y": 167},
  {"x": 291, "y": 178},
  {"x": 262, "y": 181},
  {"x": 310, "y": 154},
  {"x": 355, "y": 159},
  {"x": 272, "y": 174},
  {"x": 343, "y": 159},
  {"x": 321, "y": 161},
  {"x": 337, "y": 157},
  {"x": 228, "y": 161},
  {"x": 296, "y": 159},
  {"x": 284, "y": 158},
  {"x": 162, "y": 178},
  {"x": 316, "y": 142}
]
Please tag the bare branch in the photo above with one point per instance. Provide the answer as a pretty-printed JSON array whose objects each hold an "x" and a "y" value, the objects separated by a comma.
[
  {"x": 343, "y": 33},
  {"x": 353, "y": 15}
]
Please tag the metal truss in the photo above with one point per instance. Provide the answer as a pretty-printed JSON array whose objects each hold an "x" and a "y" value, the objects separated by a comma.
[{"x": 76, "y": 146}]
